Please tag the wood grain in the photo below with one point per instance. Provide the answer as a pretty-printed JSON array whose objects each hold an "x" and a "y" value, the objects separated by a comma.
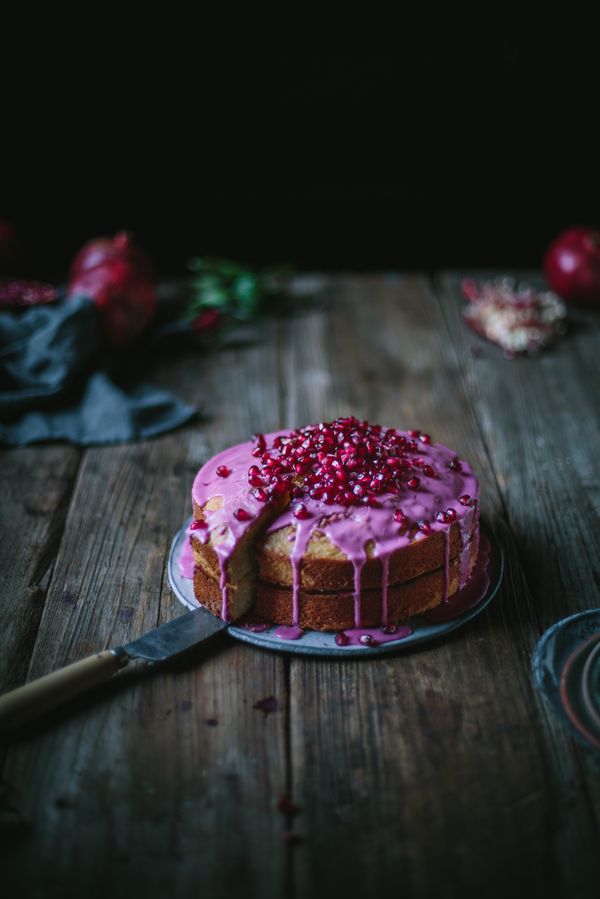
[
  {"x": 426, "y": 774},
  {"x": 35, "y": 489},
  {"x": 436, "y": 773},
  {"x": 165, "y": 780}
]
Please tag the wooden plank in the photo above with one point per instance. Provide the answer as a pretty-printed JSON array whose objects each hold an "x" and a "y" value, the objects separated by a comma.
[
  {"x": 540, "y": 421},
  {"x": 542, "y": 440},
  {"x": 35, "y": 487},
  {"x": 425, "y": 774},
  {"x": 132, "y": 789}
]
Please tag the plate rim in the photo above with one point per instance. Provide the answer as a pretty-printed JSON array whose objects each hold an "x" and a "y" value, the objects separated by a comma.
[
  {"x": 406, "y": 644},
  {"x": 547, "y": 665},
  {"x": 567, "y": 690}
]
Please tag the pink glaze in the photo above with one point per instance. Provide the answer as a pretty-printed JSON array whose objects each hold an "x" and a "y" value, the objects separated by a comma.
[
  {"x": 470, "y": 594},
  {"x": 288, "y": 633},
  {"x": 186, "y": 559},
  {"x": 373, "y": 636},
  {"x": 256, "y": 625},
  {"x": 349, "y": 527}
]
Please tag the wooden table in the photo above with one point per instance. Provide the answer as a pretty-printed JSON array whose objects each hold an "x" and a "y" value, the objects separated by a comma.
[{"x": 438, "y": 773}]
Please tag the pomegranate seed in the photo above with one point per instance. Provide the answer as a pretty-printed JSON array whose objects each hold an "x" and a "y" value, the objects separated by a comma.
[
  {"x": 455, "y": 465},
  {"x": 368, "y": 640},
  {"x": 342, "y": 639},
  {"x": 389, "y": 628},
  {"x": 198, "y": 525},
  {"x": 242, "y": 515},
  {"x": 261, "y": 495},
  {"x": 451, "y": 514},
  {"x": 346, "y": 461},
  {"x": 301, "y": 512},
  {"x": 465, "y": 500},
  {"x": 399, "y": 516},
  {"x": 223, "y": 471},
  {"x": 425, "y": 527},
  {"x": 441, "y": 517}
]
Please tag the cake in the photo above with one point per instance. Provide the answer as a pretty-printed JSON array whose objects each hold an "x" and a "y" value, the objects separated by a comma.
[{"x": 337, "y": 525}]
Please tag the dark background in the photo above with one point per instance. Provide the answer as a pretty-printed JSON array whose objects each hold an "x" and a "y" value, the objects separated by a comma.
[{"x": 409, "y": 150}]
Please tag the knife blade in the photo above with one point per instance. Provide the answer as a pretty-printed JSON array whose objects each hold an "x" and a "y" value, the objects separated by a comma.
[
  {"x": 40, "y": 696},
  {"x": 174, "y": 637}
]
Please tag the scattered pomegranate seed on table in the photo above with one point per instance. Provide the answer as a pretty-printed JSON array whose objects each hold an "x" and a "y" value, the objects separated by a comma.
[{"x": 15, "y": 294}]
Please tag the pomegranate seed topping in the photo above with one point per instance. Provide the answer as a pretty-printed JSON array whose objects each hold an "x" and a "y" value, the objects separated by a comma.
[
  {"x": 465, "y": 500},
  {"x": 389, "y": 628},
  {"x": 261, "y": 495},
  {"x": 399, "y": 516},
  {"x": 455, "y": 465},
  {"x": 451, "y": 514},
  {"x": 242, "y": 515},
  {"x": 346, "y": 461},
  {"x": 441, "y": 517},
  {"x": 198, "y": 525},
  {"x": 301, "y": 512},
  {"x": 342, "y": 639},
  {"x": 223, "y": 471},
  {"x": 425, "y": 527},
  {"x": 368, "y": 640}
]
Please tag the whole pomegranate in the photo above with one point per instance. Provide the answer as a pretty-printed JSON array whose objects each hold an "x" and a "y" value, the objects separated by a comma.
[
  {"x": 105, "y": 249},
  {"x": 572, "y": 265},
  {"x": 117, "y": 276}
]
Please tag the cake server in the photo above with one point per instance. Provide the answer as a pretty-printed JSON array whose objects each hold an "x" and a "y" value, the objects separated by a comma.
[{"x": 169, "y": 640}]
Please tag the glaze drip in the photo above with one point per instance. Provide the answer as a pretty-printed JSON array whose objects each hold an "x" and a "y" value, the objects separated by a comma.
[{"x": 360, "y": 525}]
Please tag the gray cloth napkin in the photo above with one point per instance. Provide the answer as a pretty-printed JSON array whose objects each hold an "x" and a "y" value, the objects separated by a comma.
[{"x": 53, "y": 385}]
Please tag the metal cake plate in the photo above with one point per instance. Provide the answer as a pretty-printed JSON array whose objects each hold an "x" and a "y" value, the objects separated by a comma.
[{"x": 323, "y": 644}]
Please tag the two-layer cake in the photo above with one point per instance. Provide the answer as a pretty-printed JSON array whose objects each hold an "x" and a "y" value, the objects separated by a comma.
[{"x": 337, "y": 525}]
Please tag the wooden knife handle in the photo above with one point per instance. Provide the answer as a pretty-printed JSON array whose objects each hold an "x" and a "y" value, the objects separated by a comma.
[{"x": 34, "y": 699}]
